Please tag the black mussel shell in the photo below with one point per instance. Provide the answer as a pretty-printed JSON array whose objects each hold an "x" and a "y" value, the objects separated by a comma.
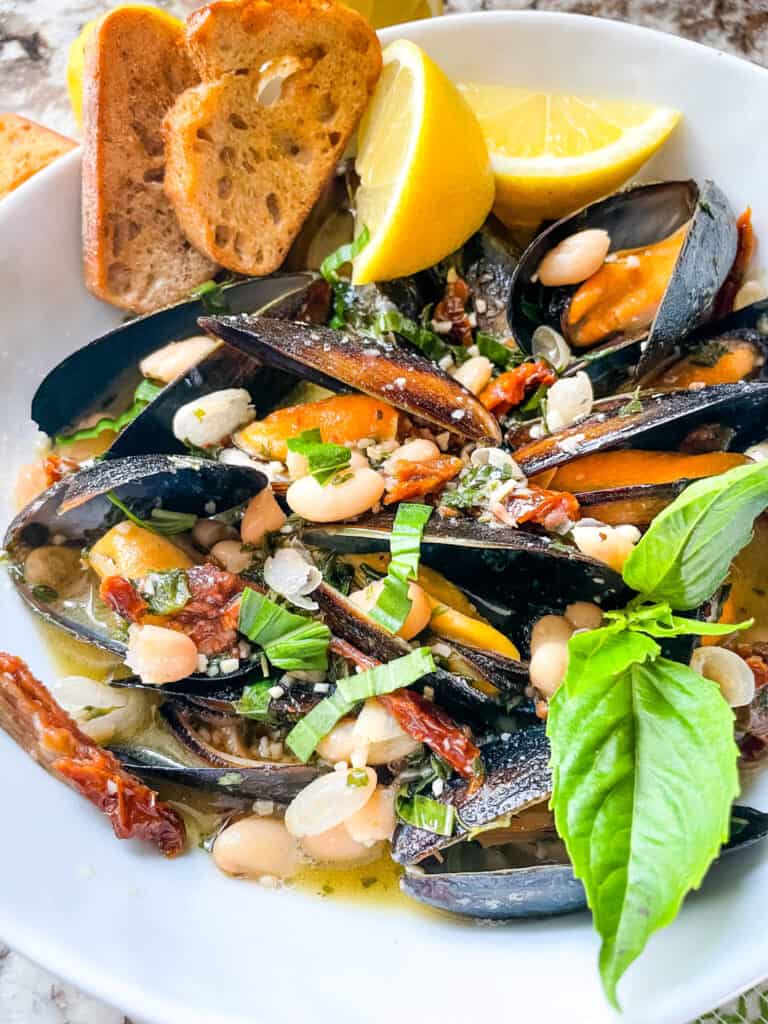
[
  {"x": 77, "y": 510},
  {"x": 640, "y": 216},
  {"x": 93, "y": 376},
  {"x": 488, "y": 262},
  {"x": 210, "y": 695},
  {"x": 343, "y": 362},
  {"x": 664, "y": 419}
]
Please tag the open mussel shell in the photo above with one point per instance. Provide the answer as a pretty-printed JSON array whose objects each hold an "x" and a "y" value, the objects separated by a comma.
[
  {"x": 94, "y": 376},
  {"x": 540, "y": 890},
  {"x": 263, "y": 780},
  {"x": 661, "y": 422},
  {"x": 637, "y": 217},
  {"x": 344, "y": 362},
  {"x": 76, "y": 511}
]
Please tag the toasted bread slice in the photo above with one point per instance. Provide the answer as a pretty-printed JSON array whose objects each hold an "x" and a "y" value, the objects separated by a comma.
[
  {"x": 26, "y": 148},
  {"x": 134, "y": 251},
  {"x": 249, "y": 151}
]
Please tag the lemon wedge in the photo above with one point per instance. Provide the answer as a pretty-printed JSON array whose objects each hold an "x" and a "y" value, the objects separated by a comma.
[
  {"x": 426, "y": 182},
  {"x": 381, "y": 13},
  {"x": 553, "y": 153},
  {"x": 76, "y": 57}
]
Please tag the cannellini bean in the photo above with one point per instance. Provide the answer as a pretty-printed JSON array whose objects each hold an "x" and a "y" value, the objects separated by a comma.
[
  {"x": 548, "y": 667},
  {"x": 207, "y": 532},
  {"x": 297, "y": 464},
  {"x": 375, "y": 821},
  {"x": 418, "y": 450},
  {"x": 375, "y": 723},
  {"x": 160, "y": 655},
  {"x": 731, "y": 673},
  {"x": 257, "y": 846},
  {"x": 569, "y": 400},
  {"x": 206, "y": 421},
  {"x": 54, "y": 566},
  {"x": 339, "y": 743},
  {"x": 584, "y": 615},
  {"x": 550, "y": 629},
  {"x": 418, "y": 617},
  {"x": 474, "y": 374},
  {"x": 174, "y": 359},
  {"x": 356, "y": 491},
  {"x": 608, "y": 544},
  {"x": 576, "y": 258},
  {"x": 343, "y": 744},
  {"x": 232, "y": 556},
  {"x": 262, "y": 515},
  {"x": 329, "y": 801},
  {"x": 336, "y": 846},
  {"x": 31, "y": 481},
  {"x": 103, "y": 712}
]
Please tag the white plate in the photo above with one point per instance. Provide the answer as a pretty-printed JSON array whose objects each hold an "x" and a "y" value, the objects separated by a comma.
[{"x": 168, "y": 941}]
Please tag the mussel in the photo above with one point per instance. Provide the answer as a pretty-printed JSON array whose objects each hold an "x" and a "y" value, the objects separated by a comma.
[
  {"x": 77, "y": 510},
  {"x": 672, "y": 245}
]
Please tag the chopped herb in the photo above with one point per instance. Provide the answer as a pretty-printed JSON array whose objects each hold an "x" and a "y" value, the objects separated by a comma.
[
  {"x": 535, "y": 403},
  {"x": 709, "y": 353},
  {"x": 501, "y": 355},
  {"x": 90, "y": 713},
  {"x": 336, "y": 573},
  {"x": 163, "y": 521},
  {"x": 317, "y": 723},
  {"x": 292, "y": 642},
  {"x": 429, "y": 343},
  {"x": 327, "y": 890},
  {"x": 142, "y": 396},
  {"x": 633, "y": 406},
  {"x": 386, "y": 678},
  {"x": 255, "y": 700},
  {"x": 166, "y": 592},
  {"x": 325, "y": 460},
  {"x": 212, "y": 296},
  {"x": 393, "y": 605},
  {"x": 368, "y": 881},
  {"x": 342, "y": 290},
  {"x": 41, "y": 592},
  {"x": 230, "y": 779},
  {"x": 424, "y": 812},
  {"x": 475, "y": 486},
  {"x": 357, "y": 777}
]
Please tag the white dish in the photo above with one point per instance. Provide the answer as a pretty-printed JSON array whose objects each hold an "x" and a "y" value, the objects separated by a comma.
[{"x": 174, "y": 940}]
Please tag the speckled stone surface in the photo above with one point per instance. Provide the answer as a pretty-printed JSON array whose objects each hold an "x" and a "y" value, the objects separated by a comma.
[{"x": 34, "y": 39}]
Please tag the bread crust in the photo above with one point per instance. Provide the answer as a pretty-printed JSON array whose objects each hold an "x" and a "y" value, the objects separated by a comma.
[
  {"x": 26, "y": 147},
  {"x": 250, "y": 149},
  {"x": 134, "y": 252}
]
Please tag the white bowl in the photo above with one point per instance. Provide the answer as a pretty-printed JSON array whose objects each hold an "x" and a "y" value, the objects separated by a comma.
[{"x": 168, "y": 941}]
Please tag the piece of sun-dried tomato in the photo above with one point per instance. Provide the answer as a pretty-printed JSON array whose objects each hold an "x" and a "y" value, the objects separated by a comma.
[
  {"x": 415, "y": 479},
  {"x": 512, "y": 386},
  {"x": 122, "y": 597},
  {"x": 532, "y": 504},
  {"x": 210, "y": 617},
  {"x": 452, "y": 309},
  {"x": 56, "y": 467}
]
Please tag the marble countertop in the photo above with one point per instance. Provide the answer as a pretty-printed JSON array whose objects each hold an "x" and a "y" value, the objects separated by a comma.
[{"x": 34, "y": 38}]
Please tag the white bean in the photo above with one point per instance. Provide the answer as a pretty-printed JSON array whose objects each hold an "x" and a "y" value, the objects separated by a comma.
[
  {"x": 160, "y": 655},
  {"x": 605, "y": 543},
  {"x": 548, "y": 667},
  {"x": 103, "y": 712},
  {"x": 569, "y": 400},
  {"x": 357, "y": 491},
  {"x": 257, "y": 846},
  {"x": 329, "y": 801},
  {"x": 231, "y": 555},
  {"x": 176, "y": 358},
  {"x": 381, "y": 734},
  {"x": 375, "y": 821},
  {"x": 297, "y": 464},
  {"x": 474, "y": 374},
  {"x": 418, "y": 450},
  {"x": 731, "y": 673},
  {"x": 343, "y": 744},
  {"x": 336, "y": 846},
  {"x": 208, "y": 420},
  {"x": 584, "y": 615},
  {"x": 262, "y": 515},
  {"x": 418, "y": 617},
  {"x": 339, "y": 743},
  {"x": 550, "y": 629},
  {"x": 576, "y": 258}
]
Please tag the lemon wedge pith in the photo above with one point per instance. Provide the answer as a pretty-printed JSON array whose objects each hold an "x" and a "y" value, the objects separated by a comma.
[
  {"x": 553, "y": 153},
  {"x": 426, "y": 182}
]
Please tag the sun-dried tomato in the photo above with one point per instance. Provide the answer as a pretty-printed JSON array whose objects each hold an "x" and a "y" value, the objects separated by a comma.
[
  {"x": 452, "y": 309},
  {"x": 57, "y": 466},
  {"x": 210, "y": 617},
  {"x": 745, "y": 248},
  {"x": 31, "y": 716},
  {"x": 511, "y": 387},
  {"x": 532, "y": 504},
  {"x": 415, "y": 479},
  {"x": 123, "y": 598},
  {"x": 428, "y": 724}
]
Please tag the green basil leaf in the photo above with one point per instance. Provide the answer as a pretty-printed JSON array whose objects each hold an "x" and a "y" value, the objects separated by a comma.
[
  {"x": 307, "y": 733},
  {"x": 424, "y": 812},
  {"x": 254, "y": 701},
  {"x": 166, "y": 592},
  {"x": 687, "y": 550},
  {"x": 332, "y": 264},
  {"x": 161, "y": 520},
  {"x": 393, "y": 604},
  {"x": 694, "y": 627},
  {"x": 382, "y": 679},
  {"x": 405, "y": 540},
  {"x": 499, "y": 354},
  {"x": 425, "y": 339},
  {"x": 602, "y": 653},
  {"x": 644, "y": 770},
  {"x": 292, "y": 642},
  {"x": 212, "y": 297},
  {"x": 324, "y": 460}
]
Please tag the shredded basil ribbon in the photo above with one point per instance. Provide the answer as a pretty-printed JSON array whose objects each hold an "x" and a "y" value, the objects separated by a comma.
[
  {"x": 166, "y": 592},
  {"x": 324, "y": 460},
  {"x": 317, "y": 723},
  {"x": 212, "y": 296},
  {"x": 142, "y": 396},
  {"x": 392, "y": 608},
  {"x": 499, "y": 354},
  {"x": 162, "y": 521},
  {"x": 254, "y": 701},
  {"x": 292, "y": 642},
  {"x": 332, "y": 264},
  {"x": 424, "y": 812}
]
